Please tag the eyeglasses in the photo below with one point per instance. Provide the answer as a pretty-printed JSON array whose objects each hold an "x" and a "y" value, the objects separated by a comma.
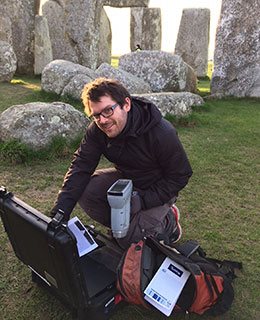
[{"x": 106, "y": 113}]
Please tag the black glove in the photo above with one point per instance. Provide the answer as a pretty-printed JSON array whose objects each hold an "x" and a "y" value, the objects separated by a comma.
[{"x": 59, "y": 214}]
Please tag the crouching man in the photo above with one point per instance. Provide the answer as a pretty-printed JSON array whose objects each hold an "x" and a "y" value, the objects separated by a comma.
[{"x": 144, "y": 147}]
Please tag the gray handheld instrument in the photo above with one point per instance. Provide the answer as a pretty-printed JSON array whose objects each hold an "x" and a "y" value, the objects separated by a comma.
[{"x": 119, "y": 198}]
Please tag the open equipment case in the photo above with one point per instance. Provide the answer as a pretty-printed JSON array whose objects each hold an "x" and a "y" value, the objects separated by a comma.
[{"x": 86, "y": 284}]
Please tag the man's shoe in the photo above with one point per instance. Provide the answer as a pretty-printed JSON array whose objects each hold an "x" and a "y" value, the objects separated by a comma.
[
  {"x": 177, "y": 231},
  {"x": 172, "y": 232}
]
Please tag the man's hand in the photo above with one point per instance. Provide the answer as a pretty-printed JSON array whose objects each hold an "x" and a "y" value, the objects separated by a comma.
[{"x": 58, "y": 214}]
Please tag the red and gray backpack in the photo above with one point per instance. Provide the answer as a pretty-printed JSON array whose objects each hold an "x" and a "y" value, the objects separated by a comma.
[{"x": 208, "y": 290}]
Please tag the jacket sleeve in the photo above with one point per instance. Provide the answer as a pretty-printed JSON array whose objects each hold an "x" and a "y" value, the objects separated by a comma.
[
  {"x": 84, "y": 163},
  {"x": 175, "y": 167}
]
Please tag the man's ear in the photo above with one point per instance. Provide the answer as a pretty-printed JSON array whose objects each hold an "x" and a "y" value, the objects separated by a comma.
[{"x": 127, "y": 105}]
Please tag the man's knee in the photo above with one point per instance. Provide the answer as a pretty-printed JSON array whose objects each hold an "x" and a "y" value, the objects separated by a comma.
[
  {"x": 145, "y": 223},
  {"x": 101, "y": 181},
  {"x": 94, "y": 199}
]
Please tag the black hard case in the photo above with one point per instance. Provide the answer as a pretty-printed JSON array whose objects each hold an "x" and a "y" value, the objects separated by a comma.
[{"x": 86, "y": 284}]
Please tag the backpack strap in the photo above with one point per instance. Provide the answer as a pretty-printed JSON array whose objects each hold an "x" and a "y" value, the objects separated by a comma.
[
  {"x": 233, "y": 264},
  {"x": 229, "y": 263},
  {"x": 214, "y": 285},
  {"x": 227, "y": 267},
  {"x": 208, "y": 283},
  {"x": 190, "y": 247}
]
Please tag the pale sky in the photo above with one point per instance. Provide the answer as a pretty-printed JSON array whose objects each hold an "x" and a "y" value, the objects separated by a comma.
[{"x": 171, "y": 14}]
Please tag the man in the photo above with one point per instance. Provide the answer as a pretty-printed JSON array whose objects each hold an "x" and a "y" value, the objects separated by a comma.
[{"x": 131, "y": 133}]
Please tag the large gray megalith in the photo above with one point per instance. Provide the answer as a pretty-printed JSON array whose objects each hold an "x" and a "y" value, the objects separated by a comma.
[
  {"x": 175, "y": 103},
  {"x": 237, "y": 50},
  {"x": 193, "y": 39},
  {"x": 145, "y": 28},
  {"x": 8, "y": 62},
  {"x": 37, "y": 123},
  {"x": 6, "y": 29},
  {"x": 62, "y": 48},
  {"x": 75, "y": 86},
  {"x": 105, "y": 39},
  {"x": 75, "y": 28},
  {"x": 131, "y": 82},
  {"x": 42, "y": 48},
  {"x": 58, "y": 73},
  {"x": 164, "y": 71},
  {"x": 21, "y": 14}
]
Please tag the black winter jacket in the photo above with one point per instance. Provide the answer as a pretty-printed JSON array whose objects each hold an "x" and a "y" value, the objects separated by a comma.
[{"x": 147, "y": 151}]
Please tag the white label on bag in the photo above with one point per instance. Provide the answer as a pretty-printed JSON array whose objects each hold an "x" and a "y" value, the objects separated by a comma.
[{"x": 164, "y": 289}]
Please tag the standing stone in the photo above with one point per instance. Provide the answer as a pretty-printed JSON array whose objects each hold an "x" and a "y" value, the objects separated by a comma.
[
  {"x": 61, "y": 48},
  {"x": 43, "y": 50},
  {"x": 105, "y": 39},
  {"x": 6, "y": 29},
  {"x": 82, "y": 25},
  {"x": 68, "y": 22},
  {"x": 193, "y": 39},
  {"x": 8, "y": 61},
  {"x": 145, "y": 27},
  {"x": 237, "y": 50},
  {"x": 21, "y": 14},
  {"x": 75, "y": 28}
]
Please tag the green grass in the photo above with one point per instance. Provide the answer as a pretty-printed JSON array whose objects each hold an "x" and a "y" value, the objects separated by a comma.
[
  {"x": 114, "y": 61},
  {"x": 24, "y": 90},
  {"x": 219, "y": 207},
  {"x": 16, "y": 152}
]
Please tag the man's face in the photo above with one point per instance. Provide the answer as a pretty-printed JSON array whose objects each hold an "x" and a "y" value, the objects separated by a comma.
[{"x": 113, "y": 125}]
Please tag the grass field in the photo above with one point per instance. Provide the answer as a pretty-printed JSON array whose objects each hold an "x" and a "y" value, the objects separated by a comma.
[{"x": 219, "y": 207}]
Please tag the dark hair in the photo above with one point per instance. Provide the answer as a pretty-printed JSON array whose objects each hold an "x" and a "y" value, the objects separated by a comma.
[{"x": 100, "y": 87}]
